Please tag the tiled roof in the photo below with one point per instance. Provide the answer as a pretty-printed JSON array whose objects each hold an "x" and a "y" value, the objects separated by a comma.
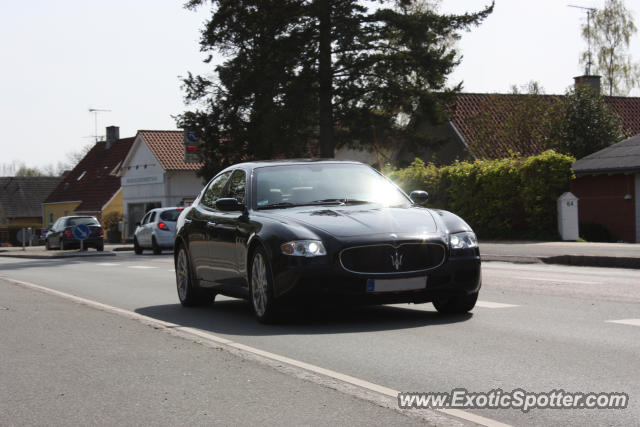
[
  {"x": 168, "y": 147},
  {"x": 93, "y": 181},
  {"x": 468, "y": 107},
  {"x": 621, "y": 157},
  {"x": 22, "y": 197}
]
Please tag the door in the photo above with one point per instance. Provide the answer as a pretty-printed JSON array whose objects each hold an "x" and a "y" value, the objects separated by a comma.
[
  {"x": 223, "y": 235},
  {"x": 201, "y": 217}
]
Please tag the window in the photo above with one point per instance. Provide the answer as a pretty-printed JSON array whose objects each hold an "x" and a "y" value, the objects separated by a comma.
[
  {"x": 214, "y": 191},
  {"x": 237, "y": 186},
  {"x": 170, "y": 215},
  {"x": 82, "y": 175},
  {"x": 152, "y": 218},
  {"x": 86, "y": 220}
]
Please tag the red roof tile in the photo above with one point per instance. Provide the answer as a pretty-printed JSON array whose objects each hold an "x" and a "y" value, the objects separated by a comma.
[
  {"x": 498, "y": 107},
  {"x": 93, "y": 181},
  {"x": 168, "y": 147}
]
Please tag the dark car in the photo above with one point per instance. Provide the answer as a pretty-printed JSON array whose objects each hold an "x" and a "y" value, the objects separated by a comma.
[
  {"x": 274, "y": 232},
  {"x": 61, "y": 236}
]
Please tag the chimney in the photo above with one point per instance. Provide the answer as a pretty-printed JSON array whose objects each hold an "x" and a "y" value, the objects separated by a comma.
[
  {"x": 590, "y": 81},
  {"x": 113, "y": 134}
]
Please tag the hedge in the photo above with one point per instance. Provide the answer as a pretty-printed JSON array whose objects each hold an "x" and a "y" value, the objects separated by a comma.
[{"x": 506, "y": 198}]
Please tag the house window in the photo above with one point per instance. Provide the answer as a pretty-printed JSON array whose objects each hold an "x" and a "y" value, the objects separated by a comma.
[{"x": 82, "y": 175}]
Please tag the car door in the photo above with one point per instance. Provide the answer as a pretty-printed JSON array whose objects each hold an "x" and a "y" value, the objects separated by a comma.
[
  {"x": 201, "y": 217},
  {"x": 140, "y": 231},
  {"x": 223, "y": 234}
]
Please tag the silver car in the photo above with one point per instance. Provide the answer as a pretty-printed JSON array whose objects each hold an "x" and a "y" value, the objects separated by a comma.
[{"x": 156, "y": 230}]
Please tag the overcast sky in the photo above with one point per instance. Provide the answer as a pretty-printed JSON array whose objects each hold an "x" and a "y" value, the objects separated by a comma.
[{"x": 58, "y": 59}]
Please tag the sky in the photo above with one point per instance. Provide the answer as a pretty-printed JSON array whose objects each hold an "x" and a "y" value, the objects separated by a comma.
[{"x": 59, "y": 59}]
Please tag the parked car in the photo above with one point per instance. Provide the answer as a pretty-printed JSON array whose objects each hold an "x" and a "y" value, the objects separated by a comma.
[
  {"x": 271, "y": 232},
  {"x": 60, "y": 235},
  {"x": 156, "y": 230}
]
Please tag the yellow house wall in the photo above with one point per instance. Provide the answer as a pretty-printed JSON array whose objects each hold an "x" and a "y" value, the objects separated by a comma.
[
  {"x": 25, "y": 222},
  {"x": 59, "y": 210},
  {"x": 115, "y": 205}
]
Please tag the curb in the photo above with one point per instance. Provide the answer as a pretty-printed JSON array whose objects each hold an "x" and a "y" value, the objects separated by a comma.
[
  {"x": 57, "y": 256},
  {"x": 574, "y": 260}
]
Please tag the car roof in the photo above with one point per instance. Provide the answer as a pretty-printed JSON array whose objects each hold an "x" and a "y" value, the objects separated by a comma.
[{"x": 285, "y": 162}]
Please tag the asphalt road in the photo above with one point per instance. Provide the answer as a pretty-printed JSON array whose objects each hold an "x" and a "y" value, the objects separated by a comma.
[{"x": 536, "y": 327}]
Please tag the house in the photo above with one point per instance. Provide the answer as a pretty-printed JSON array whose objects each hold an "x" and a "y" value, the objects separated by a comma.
[
  {"x": 607, "y": 185},
  {"x": 155, "y": 174},
  {"x": 93, "y": 186},
  {"x": 477, "y": 121},
  {"x": 21, "y": 203}
]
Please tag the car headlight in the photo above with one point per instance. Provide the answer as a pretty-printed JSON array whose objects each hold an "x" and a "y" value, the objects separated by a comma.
[
  {"x": 463, "y": 240},
  {"x": 305, "y": 248}
]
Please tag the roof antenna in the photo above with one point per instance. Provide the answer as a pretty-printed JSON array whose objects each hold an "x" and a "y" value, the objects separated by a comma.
[
  {"x": 590, "y": 11},
  {"x": 95, "y": 112}
]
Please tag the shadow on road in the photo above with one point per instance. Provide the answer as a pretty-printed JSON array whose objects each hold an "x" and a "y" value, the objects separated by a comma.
[{"x": 236, "y": 318}]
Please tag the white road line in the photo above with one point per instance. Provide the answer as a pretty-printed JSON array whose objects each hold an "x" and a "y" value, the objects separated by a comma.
[
  {"x": 552, "y": 280},
  {"x": 174, "y": 328},
  {"x": 107, "y": 264},
  {"x": 489, "y": 304},
  {"x": 141, "y": 266},
  {"x": 633, "y": 322}
]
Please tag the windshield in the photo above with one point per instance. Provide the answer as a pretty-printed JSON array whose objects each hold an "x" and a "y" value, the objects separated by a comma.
[
  {"x": 86, "y": 220},
  {"x": 170, "y": 215},
  {"x": 323, "y": 183}
]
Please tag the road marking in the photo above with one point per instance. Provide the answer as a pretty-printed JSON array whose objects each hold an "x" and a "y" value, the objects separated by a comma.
[
  {"x": 173, "y": 328},
  {"x": 142, "y": 266},
  {"x": 540, "y": 279},
  {"x": 633, "y": 322},
  {"x": 489, "y": 304},
  {"x": 107, "y": 264}
]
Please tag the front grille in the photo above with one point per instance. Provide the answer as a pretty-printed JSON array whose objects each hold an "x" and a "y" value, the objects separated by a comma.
[{"x": 386, "y": 258}]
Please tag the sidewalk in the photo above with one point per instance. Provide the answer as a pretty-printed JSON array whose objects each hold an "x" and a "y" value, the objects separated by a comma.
[
  {"x": 617, "y": 255},
  {"x": 40, "y": 252}
]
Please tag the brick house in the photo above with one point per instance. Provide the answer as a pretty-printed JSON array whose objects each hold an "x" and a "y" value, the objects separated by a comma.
[
  {"x": 608, "y": 187},
  {"x": 93, "y": 186}
]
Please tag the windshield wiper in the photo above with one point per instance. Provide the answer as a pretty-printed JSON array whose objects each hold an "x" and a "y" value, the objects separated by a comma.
[
  {"x": 343, "y": 201},
  {"x": 278, "y": 205}
]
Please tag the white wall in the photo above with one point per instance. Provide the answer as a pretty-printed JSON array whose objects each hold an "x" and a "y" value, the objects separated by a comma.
[{"x": 181, "y": 185}]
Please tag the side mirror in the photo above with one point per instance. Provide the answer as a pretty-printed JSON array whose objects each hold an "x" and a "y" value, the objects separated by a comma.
[
  {"x": 229, "y": 204},
  {"x": 419, "y": 196}
]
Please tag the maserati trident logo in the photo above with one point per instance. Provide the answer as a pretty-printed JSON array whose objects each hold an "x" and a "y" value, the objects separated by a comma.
[{"x": 396, "y": 260}]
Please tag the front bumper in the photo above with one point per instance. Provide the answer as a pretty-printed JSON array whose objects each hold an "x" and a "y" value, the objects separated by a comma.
[{"x": 315, "y": 278}]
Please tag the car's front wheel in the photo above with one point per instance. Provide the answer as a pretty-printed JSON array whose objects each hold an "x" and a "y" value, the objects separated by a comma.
[
  {"x": 261, "y": 287},
  {"x": 136, "y": 247},
  {"x": 458, "y": 304},
  {"x": 188, "y": 293},
  {"x": 46, "y": 244}
]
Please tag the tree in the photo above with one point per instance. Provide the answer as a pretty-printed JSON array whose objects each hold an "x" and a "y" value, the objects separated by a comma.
[
  {"x": 303, "y": 73},
  {"x": 582, "y": 123},
  {"x": 610, "y": 33},
  {"x": 26, "y": 171}
]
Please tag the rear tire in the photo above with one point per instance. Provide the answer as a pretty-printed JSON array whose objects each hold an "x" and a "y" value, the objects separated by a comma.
[
  {"x": 61, "y": 245},
  {"x": 458, "y": 304},
  {"x": 189, "y": 294},
  {"x": 157, "y": 250},
  {"x": 100, "y": 247},
  {"x": 136, "y": 247},
  {"x": 261, "y": 288}
]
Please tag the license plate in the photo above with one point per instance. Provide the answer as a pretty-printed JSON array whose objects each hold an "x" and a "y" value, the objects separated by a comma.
[{"x": 395, "y": 285}]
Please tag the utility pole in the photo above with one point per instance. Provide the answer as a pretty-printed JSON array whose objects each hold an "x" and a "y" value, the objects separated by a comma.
[
  {"x": 95, "y": 112},
  {"x": 590, "y": 12}
]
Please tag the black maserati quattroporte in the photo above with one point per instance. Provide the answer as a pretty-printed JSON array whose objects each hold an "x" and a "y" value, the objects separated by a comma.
[{"x": 277, "y": 231}]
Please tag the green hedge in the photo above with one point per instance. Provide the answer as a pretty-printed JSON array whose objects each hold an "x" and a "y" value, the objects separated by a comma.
[{"x": 506, "y": 198}]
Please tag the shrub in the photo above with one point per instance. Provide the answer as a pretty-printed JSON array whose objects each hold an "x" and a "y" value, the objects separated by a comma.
[
  {"x": 110, "y": 220},
  {"x": 505, "y": 198}
]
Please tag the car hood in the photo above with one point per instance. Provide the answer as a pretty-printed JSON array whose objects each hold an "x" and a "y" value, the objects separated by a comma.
[{"x": 345, "y": 221}]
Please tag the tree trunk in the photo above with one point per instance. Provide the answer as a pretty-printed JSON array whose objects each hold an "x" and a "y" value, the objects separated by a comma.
[{"x": 327, "y": 144}]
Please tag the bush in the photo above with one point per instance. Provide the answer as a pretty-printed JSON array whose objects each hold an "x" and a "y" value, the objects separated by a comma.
[
  {"x": 110, "y": 220},
  {"x": 506, "y": 198}
]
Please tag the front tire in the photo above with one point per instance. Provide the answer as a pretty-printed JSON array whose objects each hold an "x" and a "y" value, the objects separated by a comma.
[
  {"x": 188, "y": 293},
  {"x": 261, "y": 287},
  {"x": 458, "y": 304},
  {"x": 136, "y": 247},
  {"x": 46, "y": 244}
]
